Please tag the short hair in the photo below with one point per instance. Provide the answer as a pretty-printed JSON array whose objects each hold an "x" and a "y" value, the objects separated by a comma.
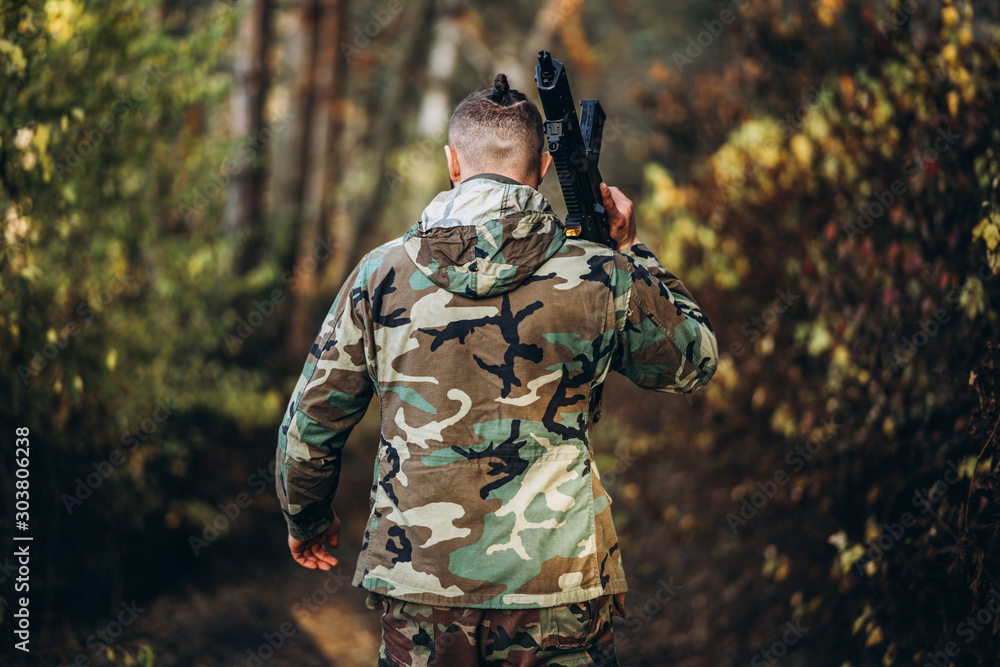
[{"x": 498, "y": 129}]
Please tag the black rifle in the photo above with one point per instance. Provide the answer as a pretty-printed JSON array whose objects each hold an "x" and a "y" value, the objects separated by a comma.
[{"x": 575, "y": 146}]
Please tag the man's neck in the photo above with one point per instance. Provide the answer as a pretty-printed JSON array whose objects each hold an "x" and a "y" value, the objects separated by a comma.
[{"x": 494, "y": 177}]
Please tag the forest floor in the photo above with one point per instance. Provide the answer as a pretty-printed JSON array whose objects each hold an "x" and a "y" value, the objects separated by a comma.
[
  {"x": 290, "y": 616},
  {"x": 700, "y": 594}
]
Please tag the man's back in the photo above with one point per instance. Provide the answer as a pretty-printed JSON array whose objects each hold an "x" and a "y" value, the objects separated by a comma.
[{"x": 487, "y": 335}]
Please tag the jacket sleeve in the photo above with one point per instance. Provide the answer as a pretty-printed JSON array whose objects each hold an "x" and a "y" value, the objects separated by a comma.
[
  {"x": 665, "y": 342},
  {"x": 330, "y": 398}
]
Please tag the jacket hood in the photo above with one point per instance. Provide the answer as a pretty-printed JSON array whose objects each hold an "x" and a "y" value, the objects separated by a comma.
[{"x": 484, "y": 237}]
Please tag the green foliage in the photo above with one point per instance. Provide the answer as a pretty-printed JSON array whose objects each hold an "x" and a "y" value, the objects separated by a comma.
[
  {"x": 114, "y": 307},
  {"x": 119, "y": 301},
  {"x": 877, "y": 204}
]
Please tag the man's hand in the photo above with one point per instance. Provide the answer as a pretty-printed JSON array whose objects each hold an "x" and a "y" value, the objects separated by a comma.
[
  {"x": 312, "y": 553},
  {"x": 621, "y": 219}
]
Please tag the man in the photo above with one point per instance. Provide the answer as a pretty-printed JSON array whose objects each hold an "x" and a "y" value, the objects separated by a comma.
[{"x": 487, "y": 335}]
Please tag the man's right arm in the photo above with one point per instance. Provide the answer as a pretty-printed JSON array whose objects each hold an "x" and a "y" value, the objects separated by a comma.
[
  {"x": 665, "y": 342},
  {"x": 330, "y": 398}
]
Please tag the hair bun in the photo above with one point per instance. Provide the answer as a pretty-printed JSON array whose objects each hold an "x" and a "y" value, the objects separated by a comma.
[{"x": 501, "y": 90}]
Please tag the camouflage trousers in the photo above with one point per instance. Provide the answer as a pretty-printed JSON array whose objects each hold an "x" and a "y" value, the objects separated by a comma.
[{"x": 418, "y": 635}]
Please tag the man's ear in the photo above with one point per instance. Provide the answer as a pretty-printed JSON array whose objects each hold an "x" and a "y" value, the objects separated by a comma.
[
  {"x": 544, "y": 167},
  {"x": 454, "y": 171}
]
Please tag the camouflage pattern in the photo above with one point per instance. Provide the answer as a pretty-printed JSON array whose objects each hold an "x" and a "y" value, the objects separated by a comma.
[
  {"x": 420, "y": 635},
  {"x": 487, "y": 335}
]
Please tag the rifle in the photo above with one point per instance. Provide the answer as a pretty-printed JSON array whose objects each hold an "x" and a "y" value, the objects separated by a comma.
[{"x": 575, "y": 146}]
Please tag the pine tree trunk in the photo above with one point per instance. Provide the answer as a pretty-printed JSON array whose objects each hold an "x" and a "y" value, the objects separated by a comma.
[
  {"x": 243, "y": 202},
  {"x": 353, "y": 224},
  {"x": 320, "y": 170}
]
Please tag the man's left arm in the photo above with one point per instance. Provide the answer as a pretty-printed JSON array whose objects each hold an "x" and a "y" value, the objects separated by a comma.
[{"x": 330, "y": 398}]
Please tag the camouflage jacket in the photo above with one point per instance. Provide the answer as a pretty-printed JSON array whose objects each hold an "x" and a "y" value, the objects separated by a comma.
[{"x": 487, "y": 335}]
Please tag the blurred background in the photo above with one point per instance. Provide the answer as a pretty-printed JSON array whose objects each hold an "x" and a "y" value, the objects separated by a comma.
[{"x": 184, "y": 186}]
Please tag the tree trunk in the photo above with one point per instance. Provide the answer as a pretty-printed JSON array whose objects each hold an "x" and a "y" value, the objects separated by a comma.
[
  {"x": 353, "y": 224},
  {"x": 243, "y": 203},
  {"x": 321, "y": 173},
  {"x": 436, "y": 107},
  {"x": 291, "y": 155}
]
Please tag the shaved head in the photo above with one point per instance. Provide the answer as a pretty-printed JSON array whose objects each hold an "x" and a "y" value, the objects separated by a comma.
[{"x": 497, "y": 130}]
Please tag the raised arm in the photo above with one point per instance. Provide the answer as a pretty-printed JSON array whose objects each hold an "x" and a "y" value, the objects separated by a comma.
[{"x": 665, "y": 342}]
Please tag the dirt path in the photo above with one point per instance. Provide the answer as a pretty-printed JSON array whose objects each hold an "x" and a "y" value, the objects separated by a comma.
[{"x": 291, "y": 616}]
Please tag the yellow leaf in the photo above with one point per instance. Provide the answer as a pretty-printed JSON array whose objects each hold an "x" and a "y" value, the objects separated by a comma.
[
  {"x": 953, "y": 103},
  {"x": 802, "y": 149},
  {"x": 977, "y": 231},
  {"x": 950, "y": 53},
  {"x": 992, "y": 236},
  {"x": 860, "y": 620},
  {"x": 874, "y": 637},
  {"x": 15, "y": 54},
  {"x": 838, "y": 539},
  {"x": 820, "y": 340},
  {"x": 890, "y": 655},
  {"x": 849, "y": 557}
]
